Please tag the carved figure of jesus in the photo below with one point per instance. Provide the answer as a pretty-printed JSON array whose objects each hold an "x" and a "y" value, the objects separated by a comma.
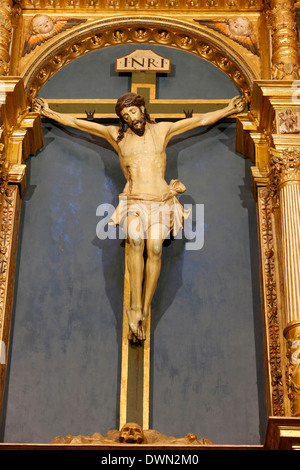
[{"x": 141, "y": 146}]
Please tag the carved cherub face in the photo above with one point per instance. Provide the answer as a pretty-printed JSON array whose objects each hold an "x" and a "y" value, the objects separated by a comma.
[
  {"x": 240, "y": 26},
  {"x": 42, "y": 24},
  {"x": 131, "y": 433}
]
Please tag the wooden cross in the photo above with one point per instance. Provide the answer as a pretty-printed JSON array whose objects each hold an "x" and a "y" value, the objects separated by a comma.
[
  {"x": 143, "y": 82},
  {"x": 135, "y": 369}
]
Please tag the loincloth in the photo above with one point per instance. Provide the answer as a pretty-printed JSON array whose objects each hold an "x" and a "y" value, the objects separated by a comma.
[{"x": 151, "y": 210}]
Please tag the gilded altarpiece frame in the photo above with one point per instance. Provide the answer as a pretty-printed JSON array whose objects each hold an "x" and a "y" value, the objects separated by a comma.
[{"x": 264, "y": 65}]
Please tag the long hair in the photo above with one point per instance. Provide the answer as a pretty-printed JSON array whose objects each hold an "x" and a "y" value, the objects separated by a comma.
[{"x": 125, "y": 101}]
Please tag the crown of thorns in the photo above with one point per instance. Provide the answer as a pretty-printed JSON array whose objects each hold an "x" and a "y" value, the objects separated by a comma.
[{"x": 127, "y": 100}]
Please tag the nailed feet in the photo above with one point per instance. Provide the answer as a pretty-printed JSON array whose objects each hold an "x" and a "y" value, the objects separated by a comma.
[{"x": 136, "y": 323}]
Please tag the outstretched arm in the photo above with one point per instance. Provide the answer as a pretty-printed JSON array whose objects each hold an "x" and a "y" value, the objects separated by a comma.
[
  {"x": 236, "y": 105},
  {"x": 107, "y": 132}
]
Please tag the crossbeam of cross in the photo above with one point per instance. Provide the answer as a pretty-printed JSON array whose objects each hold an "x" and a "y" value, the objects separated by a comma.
[{"x": 143, "y": 83}]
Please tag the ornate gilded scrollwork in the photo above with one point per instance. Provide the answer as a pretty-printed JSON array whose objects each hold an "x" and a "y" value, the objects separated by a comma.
[
  {"x": 265, "y": 207},
  {"x": 163, "y": 36},
  {"x": 285, "y": 57},
  {"x": 293, "y": 367},
  {"x": 144, "y": 4},
  {"x": 285, "y": 166},
  {"x": 184, "y": 41},
  {"x": 5, "y": 35},
  {"x": 4, "y": 171},
  {"x": 141, "y": 33},
  {"x": 5, "y": 244}
]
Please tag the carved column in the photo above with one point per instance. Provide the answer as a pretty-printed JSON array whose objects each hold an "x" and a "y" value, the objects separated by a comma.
[
  {"x": 285, "y": 57},
  {"x": 286, "y": 176},
  {"x": 5, "y": 35}
]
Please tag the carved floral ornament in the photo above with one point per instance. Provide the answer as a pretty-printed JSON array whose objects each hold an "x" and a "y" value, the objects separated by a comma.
[
  {"x": 166, "y": 35},
  {"x": 285, "y": 165},
  {"x": 6, "y": 228},
  {"x": 265, "y": 210}
]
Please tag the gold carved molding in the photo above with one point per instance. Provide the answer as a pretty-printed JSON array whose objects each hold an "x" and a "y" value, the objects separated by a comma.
[
  {"x": 146, "y": 5},
  {"x": 285, "y": 166},
  {"x": 271, "y": 302},
  {"x": 292, "y": 334},
  {"x": 21, "y": 132},
  {"x": 10, "y": 209},
  {"x": 282, "y": 434},
  {"x": 5, "y": 35},
  {"x": 271, "y": 122},
  {"x": 285, "y": 56},
  {"x": 239, "y": 66}
]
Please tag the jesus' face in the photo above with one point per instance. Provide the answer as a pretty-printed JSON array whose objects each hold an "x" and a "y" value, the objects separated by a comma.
[{"x": 135, "y": 118}]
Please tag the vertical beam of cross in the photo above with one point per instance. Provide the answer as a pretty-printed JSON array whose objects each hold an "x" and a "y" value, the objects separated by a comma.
[{"x": 135, "y": 369}]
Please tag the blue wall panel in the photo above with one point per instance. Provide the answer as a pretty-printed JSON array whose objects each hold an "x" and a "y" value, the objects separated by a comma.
[{"x": 206, "y": 349}]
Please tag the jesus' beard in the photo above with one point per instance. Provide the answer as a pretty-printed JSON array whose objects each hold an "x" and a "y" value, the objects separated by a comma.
[{"x": 141, "y": 126}]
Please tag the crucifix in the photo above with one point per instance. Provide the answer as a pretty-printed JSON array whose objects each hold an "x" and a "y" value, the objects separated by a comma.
[{"x": 148, "y": 209}]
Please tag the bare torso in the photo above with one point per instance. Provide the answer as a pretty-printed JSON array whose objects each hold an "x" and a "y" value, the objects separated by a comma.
[{"x": 143, "y": 161}]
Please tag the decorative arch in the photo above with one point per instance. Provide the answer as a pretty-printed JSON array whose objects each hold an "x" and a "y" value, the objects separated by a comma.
[{"x": 139, "y": 30}]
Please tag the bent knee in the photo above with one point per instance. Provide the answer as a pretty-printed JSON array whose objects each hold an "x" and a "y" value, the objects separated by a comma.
[
  {"x": 155, "y": 248},
  {"x": 136, "y": 242}
]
